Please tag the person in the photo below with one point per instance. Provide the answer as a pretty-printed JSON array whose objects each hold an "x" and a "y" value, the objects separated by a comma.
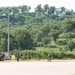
[
  {"x": 49, "y": 57},
  {"x": 17, "y": 56}
]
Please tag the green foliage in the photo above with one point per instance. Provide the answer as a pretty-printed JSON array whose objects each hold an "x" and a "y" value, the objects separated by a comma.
[
  {"x": 46, "y": 40},
  {"x": 41, "y": 28},
  {"x": 55, "y": 34},
  {"x": 69, "y": 24},
  {"x": 71, "y": 45},
  {"x": 24, "y": 40},
  {"x": 14, "y": 52},
  {"x": 42, "y": 53},
  {"x": 20, "y": 39},
  {"x": 51, "y": 46},
  {"x": 70, "y": 54},
  {"x": 62, "y": 42}
]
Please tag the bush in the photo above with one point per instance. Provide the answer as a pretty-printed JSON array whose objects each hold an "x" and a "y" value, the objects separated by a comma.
[
  {"x": 46, "y": 40},
  {"x": 43, "y": 54},
  {"x": 39, "y": 44},
  {"x": 51, "y": 46},
  {"x": 15, "y": 51},
  {"x": 71, "y": 45},
  {"x": 62, "y": 42},
  {"x": 31, "y": 54},
  {"x": 70, "y": 55}
]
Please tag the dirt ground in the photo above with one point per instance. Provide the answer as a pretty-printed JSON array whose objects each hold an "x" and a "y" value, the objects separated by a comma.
[
  {"x": 73, "y": 60},
  {"x": 33, "y": 67}
]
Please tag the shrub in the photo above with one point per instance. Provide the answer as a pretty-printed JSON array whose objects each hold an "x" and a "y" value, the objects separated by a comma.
[
  {"x": 39, "y": 44},
  {"x": 70, "y": 55},
  {"x": 42, "y": 54},
  {"x": 46, "y": 40},
  {"x": 56, "y": 54},
  {"x": 62, "y": 42},
  {"x": 52, "y": 46},
  {"x": 71, "y": 45},
  {"x": 15, "y": 51}
]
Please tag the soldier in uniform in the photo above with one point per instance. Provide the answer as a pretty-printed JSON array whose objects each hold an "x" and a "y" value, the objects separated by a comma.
[
  {"x": 49, "y": 57},
  {"x": 17, "y": 56}
]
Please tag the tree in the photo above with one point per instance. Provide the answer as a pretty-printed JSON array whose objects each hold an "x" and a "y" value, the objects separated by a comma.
[
  {"x": 38, "y": 8},
  {"x": 55, "y": 34},
  {"x": 45, "y": 9},
  {"x": 69, "y": 24},
  {"x": 3, "y": 41},
  {"x": 51, "y": 10},
  {"x": 19, "y": 18},
  {"x": 24, "y": 9},
  {"x": 3, "y": 44},
  {"x": 24, "y": 39}
]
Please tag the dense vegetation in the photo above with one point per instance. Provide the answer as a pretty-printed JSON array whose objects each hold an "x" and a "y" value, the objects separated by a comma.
[{"x": 47, "y": 26}]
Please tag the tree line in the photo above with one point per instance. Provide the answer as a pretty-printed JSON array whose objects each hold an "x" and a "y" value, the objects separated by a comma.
[{"x": 34, "y": 29}]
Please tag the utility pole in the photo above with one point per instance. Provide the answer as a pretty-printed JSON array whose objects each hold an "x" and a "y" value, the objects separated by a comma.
[{"x": 8, "y": 47}]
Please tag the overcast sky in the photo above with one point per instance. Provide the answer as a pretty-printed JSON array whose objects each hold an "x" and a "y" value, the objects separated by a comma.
[{"x": 69, "y": 4}]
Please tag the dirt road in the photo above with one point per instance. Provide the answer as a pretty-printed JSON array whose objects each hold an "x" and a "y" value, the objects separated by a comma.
[{"x": 37, "y": 68}]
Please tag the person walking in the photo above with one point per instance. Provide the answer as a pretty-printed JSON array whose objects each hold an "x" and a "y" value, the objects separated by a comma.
[
  {"x": 49, "y": 57},
  {"x": 17, "y": 56}
]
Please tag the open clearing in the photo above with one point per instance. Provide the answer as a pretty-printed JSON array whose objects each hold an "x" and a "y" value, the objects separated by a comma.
[{"x": 37, "y": 68}]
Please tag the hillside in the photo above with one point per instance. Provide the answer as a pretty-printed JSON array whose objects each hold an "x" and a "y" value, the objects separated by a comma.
[{"x": 47, "y": 26}]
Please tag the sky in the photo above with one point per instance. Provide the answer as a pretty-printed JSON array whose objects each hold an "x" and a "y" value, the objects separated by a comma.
[{"x": 69, "y": 4}]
